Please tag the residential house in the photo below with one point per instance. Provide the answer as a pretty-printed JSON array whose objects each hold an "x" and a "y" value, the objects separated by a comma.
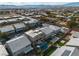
[
  {"x": 64, "y": 30},
  {"x": 74, "y": 39},
  {"x": 7, "y": 29},
  {"x": 50, "y": 30},
  {"x": 31, "y": 22},
  {"x": 3, "y": 21},
  {"x": 35, "y": 35},
  {"x": 11, "y": 20},
  {"x": 54, "y": 39},
  {"x": 19, "y": 45},
  {"x": 47, "y": 31},
  {"x": 56, "y": 29},
  {"x": 20, "y": 27},
  {"x": 3, "y": 51},
  {"x": 22, "y": 18},
  {"x": 66, "y": 51},
  {"x": 45, "y": 25}
]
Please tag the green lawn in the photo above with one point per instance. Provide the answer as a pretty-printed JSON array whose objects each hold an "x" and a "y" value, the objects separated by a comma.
[
  {"x": 49, "y": 51},
  {"x": 61, "y": 44}
]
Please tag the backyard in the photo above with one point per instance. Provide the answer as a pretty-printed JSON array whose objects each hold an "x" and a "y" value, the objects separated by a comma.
[{"x": 49, "y": 51}]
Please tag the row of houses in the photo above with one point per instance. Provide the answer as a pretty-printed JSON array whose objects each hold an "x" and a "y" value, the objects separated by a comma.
[
  {"x": 12, "y": 28},
  {"x": 43, "y": 32},
  {"x": 31, "y": 23},
  {"x": 23, "y": 19},
  {"x": 71, "y": 48},
  {"x": 40, "y": 36},
  {"x": 24, "y": 43},
  {"x": 9, "y": 20},
  {"x": 27, "y": 42}
]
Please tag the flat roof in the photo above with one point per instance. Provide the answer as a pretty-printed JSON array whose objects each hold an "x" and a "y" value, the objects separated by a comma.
[
  {"x": 63, "y": 51},
  {"x": 75, "y": 34},
  {"x": 33, "y": 33},
  {"x": 74, "y": 39},
  {"x": 73, "y": 42}
]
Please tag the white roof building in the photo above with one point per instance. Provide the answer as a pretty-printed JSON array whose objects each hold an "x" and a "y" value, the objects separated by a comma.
[
  {"x": 3, "y": 21},
  {"x": 22, "y": 18},
  {"x": 46, "y": 25},
  {"x": 55, "y": 28},
  {"x": 66, "y": 51},
  {"x": 8, "y": 28},
  {"x": 3, "y": 51},
  {"x": 74, "y": 34},
  {"x": 46, "y": 30},
  {"x": 16, "y": 16},
  {"x": 12, "y": 20},
  {"x": 19, "y": 26},
  {"x": 30, "y": 20},
  {"x": 6, "y": 17},
  {"x": 74, "y": 40},
  {"x": 19, "y": 45},
  {"x": 59, "y": 16},
  {"x": 49, "y": 30},
  {"x": 64, "y": 29},
  {"x": 35, "y": 35}
]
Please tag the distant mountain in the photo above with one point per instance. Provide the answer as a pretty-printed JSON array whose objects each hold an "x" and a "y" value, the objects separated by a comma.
[
  {"x": 42, "y": 6},
  {"x": 7, "y": 6},
  {"x": 39, "y": 6},
  {"x": 28, "y": 6},
  {"x": 36, "y": 6},
  {"x": 73, "y": 4}
]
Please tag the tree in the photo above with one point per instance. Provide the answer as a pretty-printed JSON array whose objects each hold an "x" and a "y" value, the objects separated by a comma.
[
  {"x": 44, "y": 18},
  {"x": 50, "y": 14},
  {"x": 71, "y": 24},
  {"x": 3, "y": 35}
]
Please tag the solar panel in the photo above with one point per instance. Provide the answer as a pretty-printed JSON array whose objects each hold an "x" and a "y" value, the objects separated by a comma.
[{"x": 66, "y": 53}]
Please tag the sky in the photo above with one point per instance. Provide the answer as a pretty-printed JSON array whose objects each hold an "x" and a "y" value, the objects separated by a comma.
[
  {"x": 39, "y": 0},
  {"x": 32, "y": 3}
]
